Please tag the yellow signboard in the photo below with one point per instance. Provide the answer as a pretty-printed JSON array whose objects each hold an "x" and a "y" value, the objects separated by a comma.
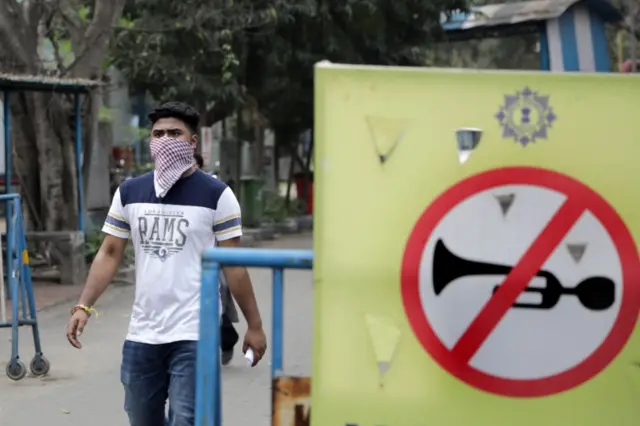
[{"x": 476, "y": 255}]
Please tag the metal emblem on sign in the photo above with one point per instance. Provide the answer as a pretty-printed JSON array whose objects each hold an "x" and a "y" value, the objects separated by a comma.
[{"x": 526, "y": 116}]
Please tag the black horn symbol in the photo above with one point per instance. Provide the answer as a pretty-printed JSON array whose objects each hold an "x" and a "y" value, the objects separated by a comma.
[{"x": 594, "y": 293}]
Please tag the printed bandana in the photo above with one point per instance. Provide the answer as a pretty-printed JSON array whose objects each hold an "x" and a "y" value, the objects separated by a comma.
[{"x": 172, "y": 157}]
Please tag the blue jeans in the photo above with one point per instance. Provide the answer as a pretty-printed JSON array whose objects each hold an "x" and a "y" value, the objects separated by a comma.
[{"x": 152, "y": 373}]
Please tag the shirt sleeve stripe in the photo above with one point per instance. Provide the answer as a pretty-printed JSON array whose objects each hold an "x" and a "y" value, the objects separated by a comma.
[
  {"x": 116, "y": 229},
  {"x": 117, "y": 216},
  {"x": 231, "y": 223},
  {"x": 112, "y": 230},
  {"x": 224, "y": 219},
  {"x": 229, "y": 231},
  {"x": 117, "y": 223}
]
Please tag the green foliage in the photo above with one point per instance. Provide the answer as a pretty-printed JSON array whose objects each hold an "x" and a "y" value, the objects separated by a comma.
[
  {"x": 235, "y": 51},
  {"x": 139, "y": 133},
  {"x": 83, "y": 13},
  {"x": 357, "y": 32},
  {"x": 182, "y": 50},
  {"x": 277, "y": 210},
  {"x": 620, "y": 37},
  {"x": 93, "y": 241},
  {"x": 105, "y": 115},
  {"x": 516, "y": 52}
]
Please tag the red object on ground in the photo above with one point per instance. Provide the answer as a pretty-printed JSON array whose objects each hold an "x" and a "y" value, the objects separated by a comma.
[
  {"x": 299, "y": 178},
  {"x": 627, "y": 66}
]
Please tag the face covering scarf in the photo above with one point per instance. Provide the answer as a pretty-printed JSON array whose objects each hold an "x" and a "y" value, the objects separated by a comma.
[{"x": 172, "y": 158}]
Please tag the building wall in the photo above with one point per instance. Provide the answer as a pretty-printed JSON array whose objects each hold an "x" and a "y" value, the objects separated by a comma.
[{"x": 576, "y": 41}]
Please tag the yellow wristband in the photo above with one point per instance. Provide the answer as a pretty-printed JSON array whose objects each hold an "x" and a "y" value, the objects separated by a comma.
[{"x": 87, "y": 309}]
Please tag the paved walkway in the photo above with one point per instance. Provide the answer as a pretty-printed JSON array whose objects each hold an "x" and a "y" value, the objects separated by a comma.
[
  {"x": 84, "y": 388},
  {"x": 48, "y": 295}
]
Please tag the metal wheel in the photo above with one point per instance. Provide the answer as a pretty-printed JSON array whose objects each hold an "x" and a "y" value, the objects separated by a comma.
[
  {"x": 16, "y": 372},
  {"x": 39, "y": 366}
]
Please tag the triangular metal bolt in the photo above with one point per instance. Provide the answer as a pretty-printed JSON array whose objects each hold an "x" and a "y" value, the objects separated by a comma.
[
  {"x": 386, "y": 134},
  {"x": 505, "y": 201},
  {"x": 385, "y": 336},
  {"x": 577, "y": 251},
  {"x": 383, "y": 367}
]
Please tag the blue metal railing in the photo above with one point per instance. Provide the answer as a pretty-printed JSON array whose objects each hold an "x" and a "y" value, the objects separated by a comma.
[
  {"x": 8, "y": 170},
  {"x": 208, "y": 381},
  {"x": 21, "y": 293}
]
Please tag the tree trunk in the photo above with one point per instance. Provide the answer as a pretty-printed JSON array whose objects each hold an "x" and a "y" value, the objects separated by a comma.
[
  {"x": 307, "y": 176},
  {"x": 48, "y": 172},
  {"x": 43, "y": 125},
  {"x": 276, "y": 166}
]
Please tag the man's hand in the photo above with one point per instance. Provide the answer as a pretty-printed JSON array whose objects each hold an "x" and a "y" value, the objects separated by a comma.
[
  {"x": 76, "y": 325},
  {"x": 240, "y": 285},
  {"x": 103, "y": 269},
  {"x": 257, "y": 341}
]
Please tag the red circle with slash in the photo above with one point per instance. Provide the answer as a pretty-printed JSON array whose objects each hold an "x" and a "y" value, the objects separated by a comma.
[{"x": 579, "y": 198}]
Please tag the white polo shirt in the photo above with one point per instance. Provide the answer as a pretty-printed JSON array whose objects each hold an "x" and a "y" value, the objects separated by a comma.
[{"x": 169, "y": 236}]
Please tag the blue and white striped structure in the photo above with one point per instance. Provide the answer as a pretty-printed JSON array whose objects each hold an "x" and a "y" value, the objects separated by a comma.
[{"x": 572, "y": 32}]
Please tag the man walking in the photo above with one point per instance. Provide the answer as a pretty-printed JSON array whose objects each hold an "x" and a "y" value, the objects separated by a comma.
[{"x": 171, "y": 215}]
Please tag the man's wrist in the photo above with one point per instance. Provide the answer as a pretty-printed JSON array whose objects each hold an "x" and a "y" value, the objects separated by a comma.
[
  {"x": 84, "y": 308},
  {"x": 255, "y": 324},
  {"x": 82, "y": 302}
]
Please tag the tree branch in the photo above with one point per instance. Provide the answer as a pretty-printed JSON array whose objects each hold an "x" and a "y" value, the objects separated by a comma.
[
  {"x": 147, "y": 30},
  {"x": 12, "y": 30},
  {"x": 69, "y": 14},
  {"x": 105, "y": 16},
  {"x": 88, "y": 61},
  {"x": 56, "y": 53},
  {"x": 34, "y": 11}
]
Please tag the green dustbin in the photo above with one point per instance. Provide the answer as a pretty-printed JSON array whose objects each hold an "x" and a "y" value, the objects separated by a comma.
[{"x": 251, "y": 200}]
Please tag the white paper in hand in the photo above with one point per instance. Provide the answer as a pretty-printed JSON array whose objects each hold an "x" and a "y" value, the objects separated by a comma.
[{"x": 249, "y": 357}]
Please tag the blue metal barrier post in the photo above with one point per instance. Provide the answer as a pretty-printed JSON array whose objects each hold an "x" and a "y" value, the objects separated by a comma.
[
  {"x": 12, "y": 275},
  {"x": 8, "y": 173},
  {"x": 208, "y": 390},
  {"x": 277, "y": 322},
  {"x": 39, "y": 363},
  {"x": 208, "y": 357},
  {"x": 21, "y": 291}
]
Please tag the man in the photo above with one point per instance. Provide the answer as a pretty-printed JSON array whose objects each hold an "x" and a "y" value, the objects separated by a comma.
[
  {"x": 228, "y": 334},
  {"x": 172, "y": 215}
]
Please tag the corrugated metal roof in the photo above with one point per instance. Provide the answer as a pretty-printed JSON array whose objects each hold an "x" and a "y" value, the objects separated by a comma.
[
  {"x": 523, "y": 12},
  {"x": 46, "y": 83}
]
